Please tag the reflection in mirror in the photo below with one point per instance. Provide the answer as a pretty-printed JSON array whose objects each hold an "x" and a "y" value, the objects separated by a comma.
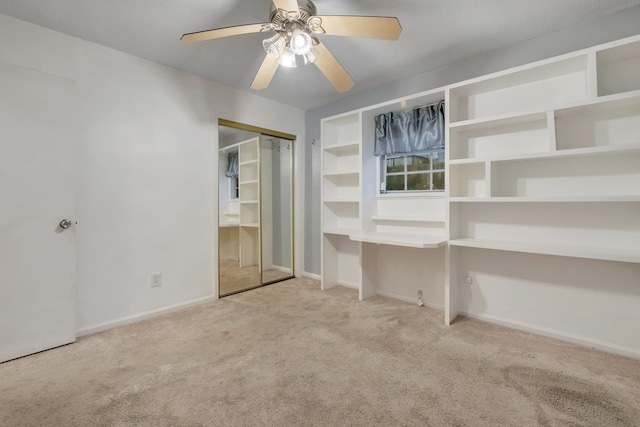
[
  {"x": 276, "y": 206},
  {"x": 239, "y": 211}
]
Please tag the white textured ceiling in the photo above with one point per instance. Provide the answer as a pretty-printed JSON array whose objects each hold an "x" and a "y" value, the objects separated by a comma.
[{"x": 435, "y": 33}]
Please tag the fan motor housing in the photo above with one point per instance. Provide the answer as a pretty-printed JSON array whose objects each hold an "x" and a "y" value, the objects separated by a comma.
[{"x": 307, "y": 10}]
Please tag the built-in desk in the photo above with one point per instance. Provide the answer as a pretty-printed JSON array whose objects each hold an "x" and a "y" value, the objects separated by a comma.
[{"x": 399, "y": 239}]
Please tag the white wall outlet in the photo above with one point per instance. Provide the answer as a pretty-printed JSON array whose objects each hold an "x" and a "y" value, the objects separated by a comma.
[
  {"x": 468, "y": 279},
  {"x": 156, "y": 280}
]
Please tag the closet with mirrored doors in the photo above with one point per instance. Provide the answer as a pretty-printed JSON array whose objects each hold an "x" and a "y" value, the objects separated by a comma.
[{"x": 255, "y": 202}]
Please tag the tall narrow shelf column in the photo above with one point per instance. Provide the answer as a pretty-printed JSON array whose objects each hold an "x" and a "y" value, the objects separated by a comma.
[
  {"x": 249, "y": 183},
  {"x": 341, "y": 197}
]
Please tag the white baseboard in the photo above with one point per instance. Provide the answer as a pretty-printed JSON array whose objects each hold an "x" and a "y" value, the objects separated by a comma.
[
  {"x": 142, "y": 316},
  {"x": 409, "y": 300},
  {"x": 349, "y": 285},
  {"x": 312, "y": 276},
  {"x": 559, "y": 335},
  {"x": 283, "y": 269}
]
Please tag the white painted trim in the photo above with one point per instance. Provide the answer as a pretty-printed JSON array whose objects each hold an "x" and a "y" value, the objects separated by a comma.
[
  {"x": 215, "y": 230},
  {"x": 282, "y": 269},
  {"x": 552, "y": 333},
  {"x": 299, "y": 200},
  {"x": 349, "y": 285},
  {"x": 142, "y": 316},
  {"x": 415, "y": 195},
  {"x": 311, "y": 275},
  {"x": 410, "y": 300}
]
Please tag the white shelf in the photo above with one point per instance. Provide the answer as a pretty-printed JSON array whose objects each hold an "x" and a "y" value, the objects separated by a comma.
[
  {"x": 249, "y": 162},
  {"x": 398, "y": 239},
  {"x": 248, "y": 202},
  {"x": 600, "y": 105},
  {"x": 341, "y": 173},
  {"x": 607, "y": 254},
  {"x": 619, "y": 68},
  {"x": 406, "y": 218},
  {"x": 228, "y": 224},
  {"x": 250, "y": 224},
  {"x": 574, "y": 152},
  {"x": 340, "y": 231},
  {"x": 341, "y": 201},
  {"x": 568, "y": 199},
  {"x": 348, "y": 146},
  {"x": 582, "y": 107},
  {"x": 254, "y": 181},
  {"x": 501, "y": 120},
  {"x": 561, "y": 81}
]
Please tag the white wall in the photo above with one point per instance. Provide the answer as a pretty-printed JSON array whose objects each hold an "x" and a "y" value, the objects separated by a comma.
[
  {"x": 426, "y": 273},
  {"x": 147, "y": 170},
  {"x": 590, "y": 302}
]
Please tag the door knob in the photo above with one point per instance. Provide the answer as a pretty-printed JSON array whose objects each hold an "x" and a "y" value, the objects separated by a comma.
[{"x": 64, "y": 224}]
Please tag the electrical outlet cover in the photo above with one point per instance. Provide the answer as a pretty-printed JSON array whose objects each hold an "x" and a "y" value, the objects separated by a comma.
[{"x": 156, "y": 280}]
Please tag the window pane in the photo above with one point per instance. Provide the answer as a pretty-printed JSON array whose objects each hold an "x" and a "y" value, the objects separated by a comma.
[
  {"x": 418, "y": 163},
  {"x": 395, "y": 183},
  {"x": 438, "y": 180},
  {"x": 438, "y": 160},
  {"x": 418, "y": 181},
  {"x": 395, "y": 164}
]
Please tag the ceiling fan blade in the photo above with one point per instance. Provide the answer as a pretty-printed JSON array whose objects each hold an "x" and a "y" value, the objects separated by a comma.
[
  {"x": 375, "y": 27},
  {"x": 332, "y": 70},
  {"x": 224, "y": 32},
  {"x": 265, "y": 73},
  {"x": 287, "y": 5}
]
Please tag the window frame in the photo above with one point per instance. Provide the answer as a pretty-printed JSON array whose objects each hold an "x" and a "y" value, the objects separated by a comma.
[
  {"x": 382, "y": 174},
  {"x": 234, "y": 188}
]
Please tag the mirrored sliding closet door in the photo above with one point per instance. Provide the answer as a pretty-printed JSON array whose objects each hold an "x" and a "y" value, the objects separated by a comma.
[{"x": 255, "y": 194}]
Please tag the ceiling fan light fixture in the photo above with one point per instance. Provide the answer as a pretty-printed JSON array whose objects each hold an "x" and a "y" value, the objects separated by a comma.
[
  {"x": 301, "y": 43},
  {"x": 275, "y": 45},
  {"x": 297, "y": 25},
  {"x": 310, "y": 57},
  {"x": 287, "y": 59}
]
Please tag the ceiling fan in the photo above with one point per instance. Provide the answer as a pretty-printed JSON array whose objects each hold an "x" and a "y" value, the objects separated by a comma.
[{"x": 297, "y": 26}]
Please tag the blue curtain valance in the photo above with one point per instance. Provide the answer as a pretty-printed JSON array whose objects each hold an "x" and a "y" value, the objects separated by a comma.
[
  {"x": 417, "y": 129},
  {"x": 232, "y": 165}
]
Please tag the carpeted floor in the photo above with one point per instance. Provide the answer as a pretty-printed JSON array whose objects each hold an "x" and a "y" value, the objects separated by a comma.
[
  {"x": 235, "y": 279},
  {"x": 291, "y": 355}
]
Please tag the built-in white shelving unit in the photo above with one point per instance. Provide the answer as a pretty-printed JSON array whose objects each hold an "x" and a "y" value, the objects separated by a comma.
[
  {"x": 249, "y": 183},
  {"x": 240, "y": 217},
  {"x": 341, "y": 195},
  {"x": 542, "y": 173},
  {"x": 544, "y": 162}
]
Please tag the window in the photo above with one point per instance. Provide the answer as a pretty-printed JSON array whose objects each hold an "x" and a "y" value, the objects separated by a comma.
[
  {"x": 410, "y": 145},
  {"x": 234, "y": 187},
  {"x": 420, "y": 171}
]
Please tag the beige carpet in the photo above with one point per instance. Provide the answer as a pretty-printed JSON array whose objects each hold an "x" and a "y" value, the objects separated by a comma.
[
  {"x": 291, "y": 355},
  {"x": 235, "y": 279}
]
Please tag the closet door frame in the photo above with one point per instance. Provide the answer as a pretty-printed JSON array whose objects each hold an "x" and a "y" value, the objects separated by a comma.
[{"x": 277, "y": 134}]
